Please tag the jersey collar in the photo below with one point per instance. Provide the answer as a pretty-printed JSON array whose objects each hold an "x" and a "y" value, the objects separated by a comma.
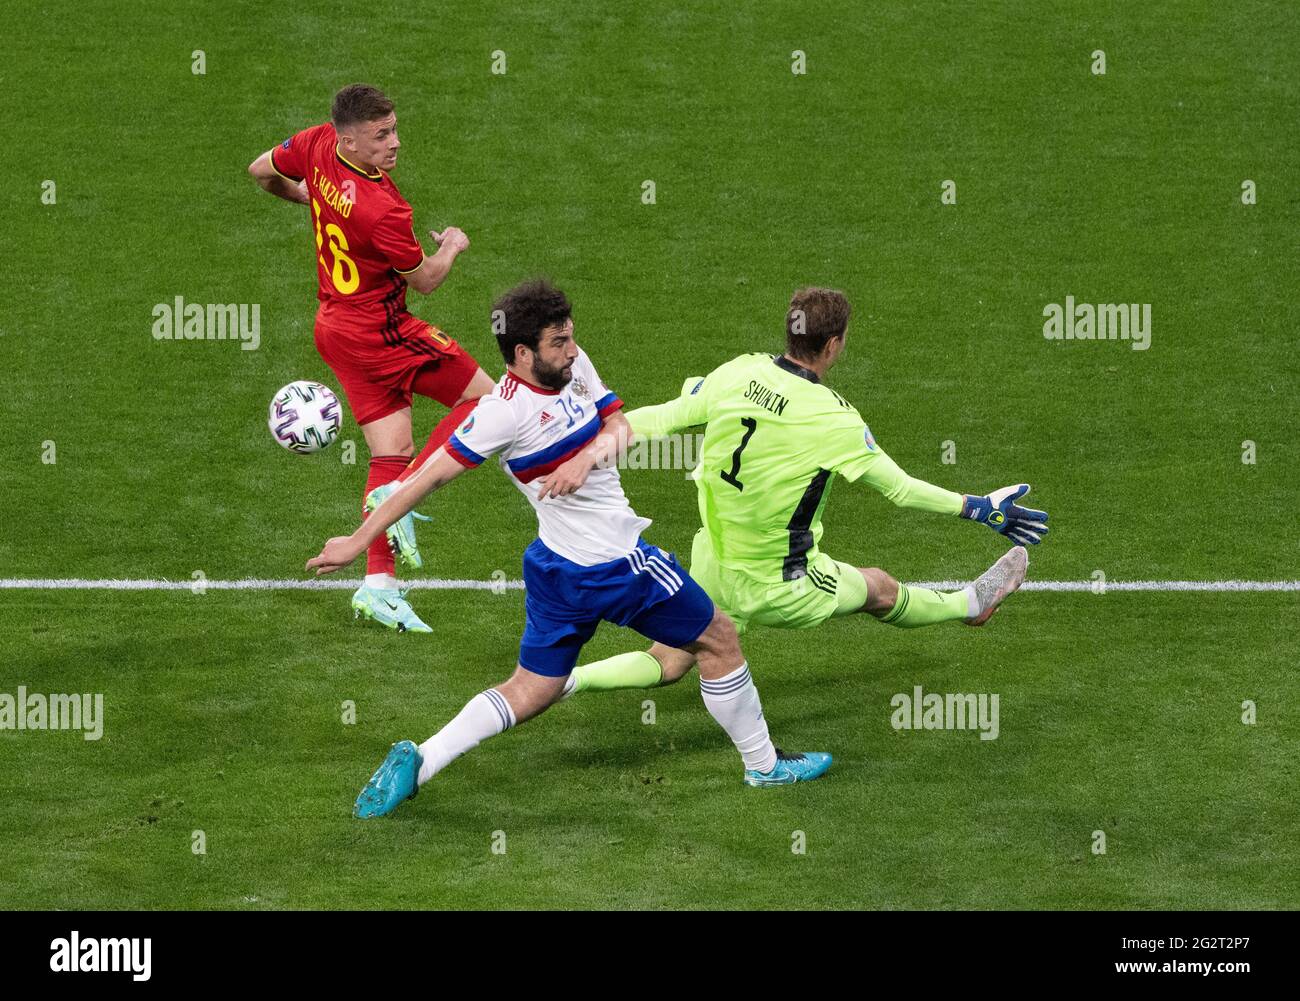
[
  {"x": 376, "y": 176},
  {"x": 512, "y": 378},
  {"x": 794, "y": 368}
]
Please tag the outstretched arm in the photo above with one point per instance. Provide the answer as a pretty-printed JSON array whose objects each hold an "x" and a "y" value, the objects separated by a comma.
[
  {"x": 884, "y": 474},
  {"x": 998, "y": 509},
  {"x": 686, "y": 411},
  {"x": 339, "y": 551}
]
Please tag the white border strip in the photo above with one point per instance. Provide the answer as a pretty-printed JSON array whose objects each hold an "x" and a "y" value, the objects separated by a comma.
[{"x": 332, "y": 584}]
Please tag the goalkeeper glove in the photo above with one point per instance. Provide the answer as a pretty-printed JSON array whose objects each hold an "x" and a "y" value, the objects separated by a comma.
[{"x": 999, "y": 511}]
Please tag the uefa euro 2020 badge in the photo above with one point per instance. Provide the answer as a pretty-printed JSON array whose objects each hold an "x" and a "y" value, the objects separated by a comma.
[
  {"x": 866, "y": 437},
  {"x": 580, "y": 388}
]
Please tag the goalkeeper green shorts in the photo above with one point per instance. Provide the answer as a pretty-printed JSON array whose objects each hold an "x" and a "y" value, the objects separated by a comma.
[{"x": 830, "y": 588}]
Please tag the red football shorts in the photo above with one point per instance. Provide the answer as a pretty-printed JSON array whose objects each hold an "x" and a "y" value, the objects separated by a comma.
[{"x": 377, "y": 367}]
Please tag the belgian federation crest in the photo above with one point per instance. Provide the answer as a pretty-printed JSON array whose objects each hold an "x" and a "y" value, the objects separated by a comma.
[{"x": 579, "y": 385}]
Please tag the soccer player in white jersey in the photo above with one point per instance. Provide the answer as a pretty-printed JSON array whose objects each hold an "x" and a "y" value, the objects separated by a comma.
[{"x": 556, "y": 430}]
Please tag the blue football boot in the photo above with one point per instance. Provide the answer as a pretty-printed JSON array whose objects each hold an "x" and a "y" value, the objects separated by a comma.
[
  {"x": 791, "y": 768},
  {"x": 395, "y": 781}
]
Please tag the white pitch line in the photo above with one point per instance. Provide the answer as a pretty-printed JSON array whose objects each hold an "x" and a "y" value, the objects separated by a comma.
[
  {"x": 332, "y": 584},
  {"x": 248, "y": 584}
]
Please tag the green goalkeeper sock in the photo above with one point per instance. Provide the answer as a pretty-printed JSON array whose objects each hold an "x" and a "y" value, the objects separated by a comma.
[
  {"x": 627, "y": 670},
  {"x": 919, "y": 606}
]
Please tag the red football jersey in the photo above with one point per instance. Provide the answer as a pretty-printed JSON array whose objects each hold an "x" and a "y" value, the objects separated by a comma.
[{"x": 365, "y": 241}]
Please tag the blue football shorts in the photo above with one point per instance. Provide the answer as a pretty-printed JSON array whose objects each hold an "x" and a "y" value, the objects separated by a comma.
[{"x": 646, "y": 590}]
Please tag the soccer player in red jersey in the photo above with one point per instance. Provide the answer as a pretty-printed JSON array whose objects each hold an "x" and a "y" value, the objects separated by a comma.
[{"x": 367, "y": 255}]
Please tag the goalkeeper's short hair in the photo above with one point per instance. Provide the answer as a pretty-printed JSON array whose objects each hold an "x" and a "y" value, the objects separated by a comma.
[{"x": 815, "y": 316}]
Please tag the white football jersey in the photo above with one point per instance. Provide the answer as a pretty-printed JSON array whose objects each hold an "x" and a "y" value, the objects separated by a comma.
[{"x": 532, "y": 430}]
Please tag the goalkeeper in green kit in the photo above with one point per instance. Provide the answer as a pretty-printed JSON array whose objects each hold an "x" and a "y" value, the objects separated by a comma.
[{"x": 776, "y": 436}]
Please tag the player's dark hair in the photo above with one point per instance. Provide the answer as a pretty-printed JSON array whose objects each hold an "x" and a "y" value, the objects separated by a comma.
[
  {"x": 815, "y": 316},
  {"x": 359, "y": 102},
  {"x": 520, "y": 315}
]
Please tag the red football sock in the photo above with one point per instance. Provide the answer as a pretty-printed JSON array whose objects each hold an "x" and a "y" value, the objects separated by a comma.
[
  {"x": 383, "y": 469},
  {"x": 453, "y": 419}
]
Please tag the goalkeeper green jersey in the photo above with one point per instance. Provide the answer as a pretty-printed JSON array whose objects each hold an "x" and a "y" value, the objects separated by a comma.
[{"x": 776, "y": 437}]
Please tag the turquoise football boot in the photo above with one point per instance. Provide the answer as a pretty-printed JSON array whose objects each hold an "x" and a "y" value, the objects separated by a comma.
[
  {"x": 401, "y": 534},
  {"x": 791, "y": 768},
  {"x": 394, "y": 782},
  {"x": 387, "y": 606}
]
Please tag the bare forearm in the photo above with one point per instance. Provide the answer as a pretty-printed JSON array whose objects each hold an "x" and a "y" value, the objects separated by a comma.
[
  {"x": 614, "y": 437},
  {"x": 435, "y": 270},
  {"x": 290, "y": 191},
  {"x": 273, "y": 182},
  {"x": 428, "y": 478},
  {"x": 603, "y": 451},
  {"x": 343, "y": 549}
]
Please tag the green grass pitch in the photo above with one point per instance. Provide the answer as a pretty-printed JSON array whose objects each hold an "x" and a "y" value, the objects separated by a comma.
[{"x": 1120, "y": 712}]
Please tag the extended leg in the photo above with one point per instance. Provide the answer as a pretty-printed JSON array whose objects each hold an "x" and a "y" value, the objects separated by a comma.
[
  {"x": 391, "y": 448},
  {"x": 732, "y": 699},
  {"x": 487, "y": 714},
  {"x": 379, "y": 597},
  {"x": 660, "y": 665},
  {"x": 907, "y": 607}
]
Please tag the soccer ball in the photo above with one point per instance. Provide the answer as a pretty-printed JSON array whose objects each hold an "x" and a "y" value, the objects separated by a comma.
[{"x": 305, "y": 416}]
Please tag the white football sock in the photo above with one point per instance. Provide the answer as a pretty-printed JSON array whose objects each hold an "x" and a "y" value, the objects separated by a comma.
[
  {"x": 972, "y": 601},
  {"x": 485, "y": 715},
  {"x": 733, "y": 701},
  {"x": 385, "y": 581}
]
